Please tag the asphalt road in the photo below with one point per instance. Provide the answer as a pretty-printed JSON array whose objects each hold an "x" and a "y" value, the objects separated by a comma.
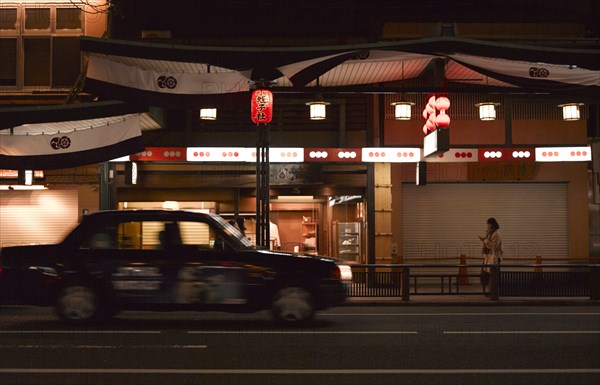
[{"x": 348, "y": 345}]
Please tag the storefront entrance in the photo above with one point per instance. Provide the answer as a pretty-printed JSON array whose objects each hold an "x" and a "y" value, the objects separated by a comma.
[{"x": 314, "y": 225}]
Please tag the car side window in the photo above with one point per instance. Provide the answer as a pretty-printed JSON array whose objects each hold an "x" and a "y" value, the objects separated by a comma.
[
  {"x": 155, "y": 235},
  {"x": 169, "y": 235},
  {"x": 197, "y": 234},
  {"x": 101, "y": 237},
  {"x": 102, "y": 240}
]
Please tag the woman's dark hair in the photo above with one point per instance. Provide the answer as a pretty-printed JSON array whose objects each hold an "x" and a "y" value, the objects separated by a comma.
[{"x": 493, "y": 223}]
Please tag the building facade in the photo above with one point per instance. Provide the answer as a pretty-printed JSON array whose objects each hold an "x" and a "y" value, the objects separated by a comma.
[{"x": 366, "y": 209}]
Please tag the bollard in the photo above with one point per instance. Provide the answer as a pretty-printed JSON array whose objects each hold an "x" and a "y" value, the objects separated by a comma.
[
  {"x": 538, "y": 262},
  {"x": 463, "y": 278},
  {"x": 494, "y": 282},
  {"x": 595, "y": 283},
  {"x": 405, "y": 284}
]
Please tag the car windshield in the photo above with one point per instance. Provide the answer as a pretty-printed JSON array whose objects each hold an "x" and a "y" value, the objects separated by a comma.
[{"x": 234, "y": 232}]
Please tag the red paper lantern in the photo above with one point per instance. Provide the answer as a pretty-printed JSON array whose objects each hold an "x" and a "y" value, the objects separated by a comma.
[
  {"x": 442, "y": 103},
  {"x": 430, "y": 124},
  {"x": 261, "y": 110},
  {"x": 431, "y": 101},
  {"x": 442, "y": 120}
]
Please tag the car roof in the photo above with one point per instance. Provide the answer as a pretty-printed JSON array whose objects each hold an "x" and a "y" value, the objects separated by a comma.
[{"x": 167, "y": 214}]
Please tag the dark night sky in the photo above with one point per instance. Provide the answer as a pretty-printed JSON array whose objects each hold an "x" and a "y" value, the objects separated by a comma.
[{"x": 334, "y": 18}]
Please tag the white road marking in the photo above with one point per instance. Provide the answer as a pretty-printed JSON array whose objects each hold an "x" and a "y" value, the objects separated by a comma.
[
  {"x": 427, "y": 371},
  {"x": 523, "y": 332},
  {"x": 452, "y": 314},
  {"x": 80, "y": 332},
  {"x": 103, "y": 346},
  {"x": 306, "y": 332}
]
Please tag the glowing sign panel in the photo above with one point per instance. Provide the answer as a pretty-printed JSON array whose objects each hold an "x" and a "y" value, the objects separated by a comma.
[
  {"x": 217, "y": 154},
  {"x": 456, "y": 155},
  {"x": 391, "y": 154},
  {"x": 563, "y": 154},
  {"x": 332, "y": 154},
  {"x": 165, "y": 154}
]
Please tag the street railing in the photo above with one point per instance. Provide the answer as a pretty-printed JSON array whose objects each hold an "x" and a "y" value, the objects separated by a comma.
[{"x": 506, "y": 280}]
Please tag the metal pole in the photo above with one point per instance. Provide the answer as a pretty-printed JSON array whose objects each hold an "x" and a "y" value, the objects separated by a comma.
[{"x": 262, "y": 187}]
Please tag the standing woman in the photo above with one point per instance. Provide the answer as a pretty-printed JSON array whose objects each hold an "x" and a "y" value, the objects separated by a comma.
[{"x": 491, "y": 249}]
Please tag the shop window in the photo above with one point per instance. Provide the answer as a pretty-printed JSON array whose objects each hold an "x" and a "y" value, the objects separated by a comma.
[
  {"x": 8, "y": 19},
  {"x": 8, "y": 64},
  {"x": 68, "y": 18},
  {"x": 37, "y": 18},
  {"x": 40, "y": 45},
  {"x": 37, "y": 61},
  {"x": 66, "y": 61}
]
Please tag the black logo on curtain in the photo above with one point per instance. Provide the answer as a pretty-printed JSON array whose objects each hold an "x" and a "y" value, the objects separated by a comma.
[
  {"x": 538, "y": 72},
  {"x": 166, "y": 82},
  {"x": 60, "y": 142}
]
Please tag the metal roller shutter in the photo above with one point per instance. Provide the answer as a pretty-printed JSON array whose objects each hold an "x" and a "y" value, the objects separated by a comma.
[
  {"x": 444, "y": 220},
  {"x": 37, "y": 216}
]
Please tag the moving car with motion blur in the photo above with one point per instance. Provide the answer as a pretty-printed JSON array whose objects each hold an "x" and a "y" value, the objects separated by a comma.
[{"x": 166, "y": 260}]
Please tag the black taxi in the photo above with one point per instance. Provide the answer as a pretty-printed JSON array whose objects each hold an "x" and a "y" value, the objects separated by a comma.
[{"x": 166, "y": 260}]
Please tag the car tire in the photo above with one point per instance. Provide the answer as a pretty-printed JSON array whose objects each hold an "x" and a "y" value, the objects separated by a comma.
[
  {"x": 78, "y": 304},
  {"x": 292, "y": 305}
]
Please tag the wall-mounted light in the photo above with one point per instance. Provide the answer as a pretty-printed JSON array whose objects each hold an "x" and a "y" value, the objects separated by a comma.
[
  {"x": 402, "y": 110},
  {"x": 131, "y": 173},
  {"x": 28, "y": 177},
  {"x": 487, "y": 110},
  {"x": 208, "y": 113},
  {"x": 571, "y": 111},
  {"x": 318, "y": 109},
  {"x": 25, "y": 177}
]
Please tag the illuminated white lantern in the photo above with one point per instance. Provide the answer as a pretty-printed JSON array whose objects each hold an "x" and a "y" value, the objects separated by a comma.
[
  {"x": 571, "y": 111},
  {"x": 208, "y": 113},
  {"x": 487, "y": 110},
  {"x": 318, "y": 110},
  {"x": 402, "y": 110}
]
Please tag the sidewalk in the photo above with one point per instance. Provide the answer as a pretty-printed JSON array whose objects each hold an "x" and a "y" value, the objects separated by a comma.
[{"x": 470, "y": 300}]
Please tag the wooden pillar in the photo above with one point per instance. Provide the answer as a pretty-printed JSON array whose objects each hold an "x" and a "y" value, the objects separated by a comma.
[{"x": 383, "y": 213}]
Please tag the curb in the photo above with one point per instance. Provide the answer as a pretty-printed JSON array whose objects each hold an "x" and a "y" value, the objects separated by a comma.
[{"x": 368, "y": 301}]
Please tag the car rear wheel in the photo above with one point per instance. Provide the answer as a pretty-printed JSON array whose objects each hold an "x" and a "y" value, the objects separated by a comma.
[
  {"x": 78, "y": 304},
  {"x": 293, "y": 304}
]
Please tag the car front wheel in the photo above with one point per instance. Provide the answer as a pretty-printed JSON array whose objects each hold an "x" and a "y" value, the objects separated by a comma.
[
  {"x": 78, "y": 304},
  {"x": 293, "y": 305}
]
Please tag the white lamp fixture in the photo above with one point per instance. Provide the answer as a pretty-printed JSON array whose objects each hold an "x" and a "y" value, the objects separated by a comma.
[
  {"x": 403, "y": 110},
  {"x": 487, "y": 110},
  {"x": 28, "y": 177},
  {"x": 208, "y": 113},
  {"x": 318, "y": 109},
  {"x": 134, "y": 173},
  {"x": 571, "y": 111}
]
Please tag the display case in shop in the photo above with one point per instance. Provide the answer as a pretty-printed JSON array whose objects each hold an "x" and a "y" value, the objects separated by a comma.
[
  {"x": 349, "y": 241},
  {"x": 309, "y": 237}
]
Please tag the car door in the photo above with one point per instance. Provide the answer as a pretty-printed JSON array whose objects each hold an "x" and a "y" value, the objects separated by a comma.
[
  {"x": 131, "y": 262},
  {"x": 208, "y": 275}
]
